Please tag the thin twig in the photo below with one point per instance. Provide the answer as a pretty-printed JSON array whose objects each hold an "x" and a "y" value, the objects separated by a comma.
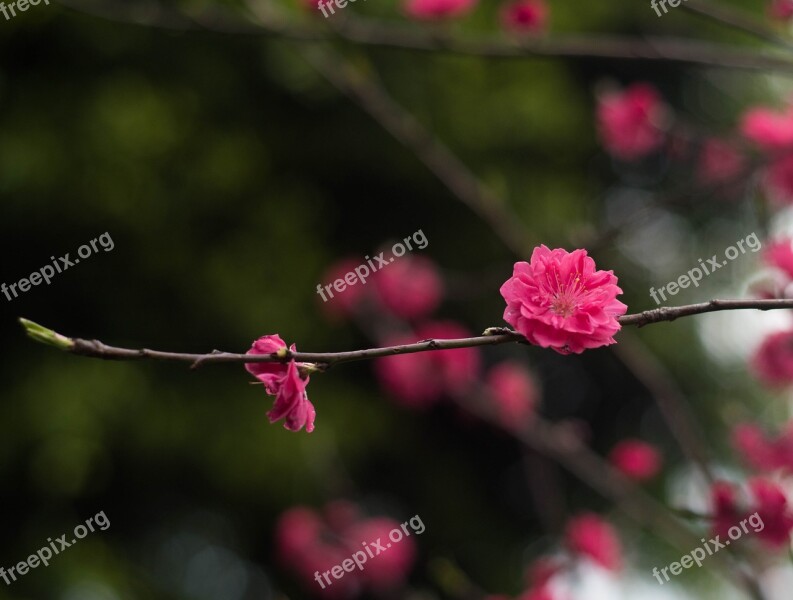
[
  {"x": 370, "y": 95},
  {"x": 325, "y": 360},
  {"x": 374, "y": 32},
  {"x": 736, "y": 19}
]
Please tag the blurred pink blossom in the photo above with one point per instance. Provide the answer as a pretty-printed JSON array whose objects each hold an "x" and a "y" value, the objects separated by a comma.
[
  {"x": 629, "y": 121},
  {"x": 429, "y": 10},
  {"x": 418, "y": 380},
  {"x": 773, "y": 360},
  {"x": 591, "y": 537},
  {"x": 525, "y": 16},
  {"x": 411, "y": 287},
  {"x": 636, "y": 459},
  {"x": 514, "y": 392}
]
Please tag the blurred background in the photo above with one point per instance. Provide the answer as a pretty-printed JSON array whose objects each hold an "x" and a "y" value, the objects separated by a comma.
[{"x": 232, "y": 177}]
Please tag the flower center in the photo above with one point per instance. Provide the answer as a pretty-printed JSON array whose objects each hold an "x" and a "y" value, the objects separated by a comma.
[{"x": 564, "y": 300}]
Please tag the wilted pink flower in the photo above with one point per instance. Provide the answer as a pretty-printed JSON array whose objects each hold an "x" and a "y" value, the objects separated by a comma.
[
  {"x": 285, "y": 383},
  {"x": 515, "y": 393},
  {"x": 429, "y": 10},
  {"x": 770, "y": 130},
  {"x": 560, "y": 301},
  {"x": 529, "y": 16},
  {"x": 781, "y": 9},
  {"x": 410, "y": 287},
  {"x": 771, "y": 504},
  {"x": 719, "y": 162},
  {"x": 773, "y": 361},
  {"x": 593, "y": 538},
  {"x": 636, "y": 459},
  {"x": 420, "y": 380},
  {"x": 629, "y": 122},
  {"x": 338, "y": 304}
]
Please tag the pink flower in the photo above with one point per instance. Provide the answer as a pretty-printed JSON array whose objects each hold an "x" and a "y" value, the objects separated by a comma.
[
  {"x": 285, "y": 383},
  {"x": 560, "y": 301},
  {"x": 719, "y": 162},
  {"x": 530, "y": 16},
  {"x": 593, "y": 538},
  {"x": 771, "y": 504},
  {"x": 636, "y": 459},
  {"x": 764, "y": 453},
  {"x": 296, "y": 531},
  {"x": 418, "y": 380},
  {"x": 781, "y": 9},
  {"x": 773, "y": 361},
  {"x": 515, "y": 393},
  {"x": 629, "y": 122},
  {"x": 428, "y": 10},
  {"x": 410, "y": 287},
  {"x": 338, "y": 304}
]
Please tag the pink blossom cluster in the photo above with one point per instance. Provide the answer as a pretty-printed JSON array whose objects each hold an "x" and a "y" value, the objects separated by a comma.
[
  {"x": 764, "y": 497},
  {"x": 312, "y": 543}
]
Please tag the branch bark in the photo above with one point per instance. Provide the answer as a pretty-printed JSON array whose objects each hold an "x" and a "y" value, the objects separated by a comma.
[{"x": 324, "y": 360}]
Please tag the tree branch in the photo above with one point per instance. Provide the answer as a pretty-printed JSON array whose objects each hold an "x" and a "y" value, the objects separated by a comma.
[
  {"x": 324, "y": 360},
  {"x": 409, "y": 36}
]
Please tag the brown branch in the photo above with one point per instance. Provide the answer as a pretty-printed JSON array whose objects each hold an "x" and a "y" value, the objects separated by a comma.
[
  {"x": 410, "y": 36},
  {"x": 370, "y": 95},
  {"x": 324, "y": 360},
  {"x": 736, "y": 19}
]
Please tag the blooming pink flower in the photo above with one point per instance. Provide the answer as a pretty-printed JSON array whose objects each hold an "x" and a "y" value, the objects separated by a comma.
[
  {"x": 345, "y": 303},
  {"x": 593, "y": 538},
  {"x": 514, "y": 391},
  {"x": 773, "y": 361},
  {"x": 285, "y": 383},
  {"x": 427, "y": 10},
  {"x": 781, "y": 9},
  {"x": 420, "y": 380},
  {"x": 530, "y": 16},
  {"x": 636, "y": 459},
  {"x": 771, "y": 505},
  {"x": 719, "y": 162},
  {"x": 629, "y": 122},
  {"x": 410, "y": 287},
  {"x": 560, "y": 301},
  {"x": 296, "y": 530},
  {"x": 770, "y": 130}
]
